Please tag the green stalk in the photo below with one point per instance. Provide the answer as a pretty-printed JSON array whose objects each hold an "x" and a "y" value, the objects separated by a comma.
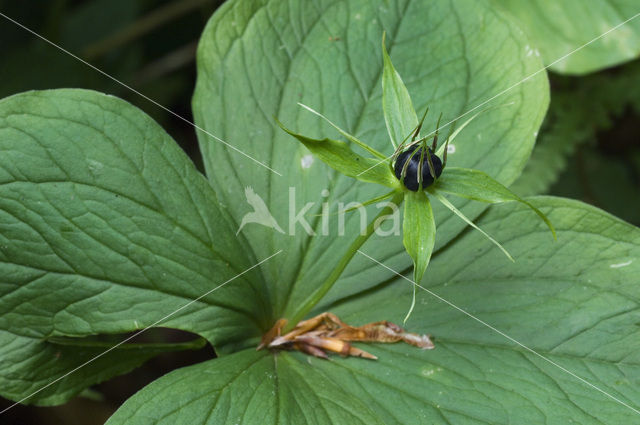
[
  {"x": 141, "y": 27},
  {"x": 322, "y": 290}
]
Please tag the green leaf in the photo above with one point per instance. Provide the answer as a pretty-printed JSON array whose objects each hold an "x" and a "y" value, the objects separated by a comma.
[
  {"x": 573, "y": 301},
  {"x": 399, "y": 114},
  {"x": 106, "y": 227},
  {"x": 258, "y": 59},
  {"x": 339, "y": 156},
  {"x": 418, "y": 234},
  {"x": 477, "y": 185},
  {"x": 558, "y": 29},
  {"x": 247, "y": 387}
]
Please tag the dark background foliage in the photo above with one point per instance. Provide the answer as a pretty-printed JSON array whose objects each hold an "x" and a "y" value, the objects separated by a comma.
[{"x": 588, "y": 149}]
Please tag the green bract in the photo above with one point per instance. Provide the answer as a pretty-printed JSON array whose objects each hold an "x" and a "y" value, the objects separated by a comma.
[{"x": 402, "y": 124}]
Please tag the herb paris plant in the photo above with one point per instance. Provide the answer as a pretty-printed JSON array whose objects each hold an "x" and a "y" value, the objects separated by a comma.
[
  {"x": 75, "y": 263},
  {"x": 416, "y": 166}
]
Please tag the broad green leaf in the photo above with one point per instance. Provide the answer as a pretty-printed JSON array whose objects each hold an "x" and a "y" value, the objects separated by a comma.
[
  {"x": 563, "y": 32},
  {"x": 106, "y": 227},
  {"x": 476, "y": 185},
  {"x": 339, "y": 156},
  {"x": 258, "y": 59},
  {"x": 418, "y": 234},
  {"x": 399, "y": 114},
  {"x": 573, "y": 301},
  {"x": 247, "y": 387}
]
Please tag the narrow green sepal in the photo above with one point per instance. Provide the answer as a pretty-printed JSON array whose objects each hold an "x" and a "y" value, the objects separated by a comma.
[
  {"x": 339, "y": 156},
  {"x": 454, "y": 133},
  {"x": 459, "y": 213},
  {"x": 348, "y": 136},
  {"x": 399, "y": 115},
  {"x": 362, "y": 204},
  {"x": 418, "y": 235},
  {"x": 372, "y": 201},
  {"x": 479, "y": 186}
]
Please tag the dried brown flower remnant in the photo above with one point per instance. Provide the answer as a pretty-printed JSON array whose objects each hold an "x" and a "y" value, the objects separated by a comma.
[{"x": 326, "y": 332}]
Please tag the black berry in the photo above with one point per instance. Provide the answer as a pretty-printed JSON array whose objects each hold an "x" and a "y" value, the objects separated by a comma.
[{"x": 411, "y": 174}]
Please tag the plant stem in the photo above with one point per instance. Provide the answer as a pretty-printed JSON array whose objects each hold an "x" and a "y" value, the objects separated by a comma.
[
  {"x": 322, "y": 290},
  {"x": 141, "y": 27}
]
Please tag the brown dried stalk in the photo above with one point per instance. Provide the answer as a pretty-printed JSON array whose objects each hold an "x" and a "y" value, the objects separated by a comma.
[{"x": 326, "y": 332}]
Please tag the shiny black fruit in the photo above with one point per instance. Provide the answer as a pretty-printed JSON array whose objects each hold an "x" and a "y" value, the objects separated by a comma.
[{"x": 411, "y": 174}]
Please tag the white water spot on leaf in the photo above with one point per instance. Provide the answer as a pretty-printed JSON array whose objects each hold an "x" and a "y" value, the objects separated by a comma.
[
  {"x": 451, "y": 149},
  {"x": 528, "y": 50},
  {"x": 427, "y": 371},
  {"x": 357, "y": 17},
  {"x": 619, "y": 265},
  {"x": 306, "y": 161},
  {"x": 95, "y": 167}
]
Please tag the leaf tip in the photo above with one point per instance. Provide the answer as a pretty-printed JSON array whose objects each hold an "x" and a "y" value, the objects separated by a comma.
[
  {"x": 546, "y": 221},
  {"x": 281, "y": 125},
  {"x": 413, "y": 304},
  {"x": 385, "y": 53}
]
